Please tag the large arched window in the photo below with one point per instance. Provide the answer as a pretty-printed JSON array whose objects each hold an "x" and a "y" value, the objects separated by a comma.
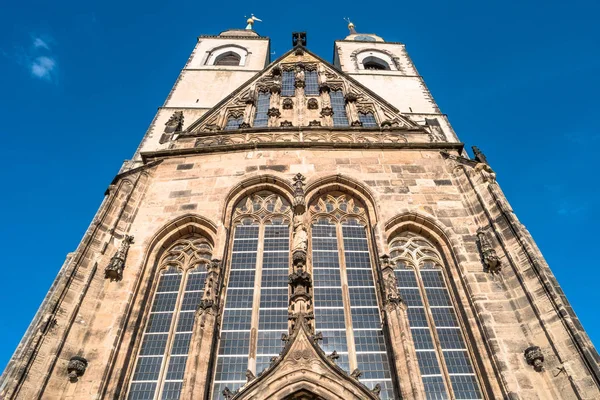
[
  {"x": 256, "y": 299},
  {"x": 444, "y": 360},
  {"x": 161, "y": 360},
  {"x": 345, "y": 300}
]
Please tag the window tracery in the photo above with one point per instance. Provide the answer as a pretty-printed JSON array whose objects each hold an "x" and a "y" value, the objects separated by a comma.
[
  {"x": 444, "y": 360},
  {"x": 165, "y": 343},
  {"x": 345, "y": 300},
  {"x": 257, "y": 293}
]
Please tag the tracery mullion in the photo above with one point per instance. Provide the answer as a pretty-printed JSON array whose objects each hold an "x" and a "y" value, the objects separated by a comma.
[{"x": 256, "y": 299}]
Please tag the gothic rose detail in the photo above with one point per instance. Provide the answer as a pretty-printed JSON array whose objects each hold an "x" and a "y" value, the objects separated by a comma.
[
  {"x": 288, "y": 104},
  {"x": 76, "y": 367},
  {"x": 274, "y": 112},
  {"x": 326, "y": 111}
]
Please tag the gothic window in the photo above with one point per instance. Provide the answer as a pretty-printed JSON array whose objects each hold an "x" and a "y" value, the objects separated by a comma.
[
  {"x": 234, "y": 122},
  {"x": 312, "y": 83},
  {"x": 443, "y": 357},
  {"x": 345, "y": 300},
  {"x": 161, "y": 360},
  {"x": 261, "y": 118},
  {"x": 288, "y": 84},
  {"x": 229, "y": 58},
  {"x": 257, "y": 293},
  {"x": 338, "y": 104},
  {"x": 367, "y": 119}
]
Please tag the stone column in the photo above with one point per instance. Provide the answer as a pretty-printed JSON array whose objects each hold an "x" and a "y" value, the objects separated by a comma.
[
  {"x": 405, "y": 357},
  {"x": 196, "y": 379}
]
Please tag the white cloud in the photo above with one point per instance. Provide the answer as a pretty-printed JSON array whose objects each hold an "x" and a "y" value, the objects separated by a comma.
[
  {"x": 40, "y": 43},
  {"x": 42, "y": 67}
]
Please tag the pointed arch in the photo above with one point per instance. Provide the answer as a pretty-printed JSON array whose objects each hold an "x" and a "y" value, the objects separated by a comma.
[
  {"x": 342, "y": 183},
  {"x": 257, "y": 183}
]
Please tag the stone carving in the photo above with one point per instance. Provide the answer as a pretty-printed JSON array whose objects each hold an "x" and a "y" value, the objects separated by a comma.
[
  {"x": 312, "y": 104},
  {"x": 317, "y": 336},
  {"x": 535, "y": 358},
  {"x": 76, "y": 367},
  {"x": 357, "y": 373},
  {"x": 250, "y": 375},
  {"x": 487, "y": 173},
  {"x": 175, "y": 122},
  {"x": 285, "y": 338},
  {"x": 114, "y": 269},
  {"x": 286, "y": 124},
  {"x": 314, "y": 123},
  {"x": 356, "y": 123},
  {"x": 350, "y": 97},
  {"x": 274, "y": 112},
  {"x": 228, "y": 394},
  {"x": 324, "y": 87},
  {"x": 299, "y": 51},
  {"x": 390, "y": 283},
  {"x": 300, "y": 83},
  {"x": 326, "y": 111},
  {"x": 276, "y": 71},
  {"x": 299, "y": 200},
  {"x": 377, "y": 389},
  {"x": 244, "y": 125},
  {"x": 287, "y": 104},
  {"x": 299, "y": 39},
  {"x": 333, "y": 356},
  {"x": 479, "y": 156},
  {"x": 488, "y": 254},
  {"x": 300, "y": 240}
]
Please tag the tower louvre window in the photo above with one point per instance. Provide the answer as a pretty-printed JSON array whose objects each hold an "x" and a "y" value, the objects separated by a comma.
[
  {"x": 443, "y": 358},
  {"x": 312, "y": 83},
  {"x": 257, "y": 294},
  {"x": 338, "y": 104},
  {"x": 375, "y": 63},
  {"x": 160, "y": 364},
  {"x": 348, "y": 315},
  {"x": 261, "y": 119},
  {"x": 234, "y": 122},
  {"x": 288, "y": 87},
  {"x": 229, "y": 58},
  {"x": 367, "y": 119}
]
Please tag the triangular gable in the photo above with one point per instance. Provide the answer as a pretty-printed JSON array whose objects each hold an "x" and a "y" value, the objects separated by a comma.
[
  {"x": 303, "y": 367},
  {"x": 302, "y": 108}
]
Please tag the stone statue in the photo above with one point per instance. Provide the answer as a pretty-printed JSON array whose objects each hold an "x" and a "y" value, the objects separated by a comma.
[{"x": 300, "y": 235}]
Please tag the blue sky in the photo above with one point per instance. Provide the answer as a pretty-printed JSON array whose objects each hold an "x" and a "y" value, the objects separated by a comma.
[{"x": 82, "y": 81}]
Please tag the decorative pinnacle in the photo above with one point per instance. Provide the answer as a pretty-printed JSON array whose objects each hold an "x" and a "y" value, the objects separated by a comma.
[
  {"x": 250, "y": 21},
  {"x": 350, "y": 26}
]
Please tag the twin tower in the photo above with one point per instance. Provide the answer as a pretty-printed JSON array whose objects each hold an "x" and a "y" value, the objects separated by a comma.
[{"x": 295, "y": 229}]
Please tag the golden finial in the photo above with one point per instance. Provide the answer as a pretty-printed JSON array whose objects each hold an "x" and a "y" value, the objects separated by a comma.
[
  {"x": 250, "y": 21},
  {"x": 350, "y": 26}
]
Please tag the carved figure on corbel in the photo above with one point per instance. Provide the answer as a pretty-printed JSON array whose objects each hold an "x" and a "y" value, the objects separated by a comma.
[
  {"x": 312, "y": 104},
  {"x": 535, "y": 357},
  {"x": 114, "y": 269},
  {"x": 333, "y": 357},
  {"x": 250, "y": 376},
  {"x": 356, "y": 374},
  {"x": 299, "y": 198},
  {"x": 488, "y": 254},
  {"x": 299, "y": 242},
  {"x": 299, "y": 71},
  {"x": 376, "y": 389},
  {"x": 76, "y": 368},
  {"x": 276, "y": 71},
  {"x": 227, "y": 393},
  {"x": 390, "y": 283}
]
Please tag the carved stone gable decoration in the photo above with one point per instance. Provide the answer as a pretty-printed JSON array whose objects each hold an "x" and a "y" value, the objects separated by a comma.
[
  {"x": 535, "y": 357},
  {"x": 299, "y": 200},
  {"x": 488, "y": 254},
  {"x": 114, "y": 269},
  {"x": 304, "y": 368},
  {"x": 294, "y": 70},
  {"x": 175, "y": 123},
  {"x": 76, "y": 368}
]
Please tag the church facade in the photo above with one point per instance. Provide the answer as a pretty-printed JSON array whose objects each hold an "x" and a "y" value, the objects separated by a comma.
[{"x": 299, "y": 229}]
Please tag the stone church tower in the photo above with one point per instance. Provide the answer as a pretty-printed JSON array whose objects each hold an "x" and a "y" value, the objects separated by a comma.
[{"x": 295, "y": 229}]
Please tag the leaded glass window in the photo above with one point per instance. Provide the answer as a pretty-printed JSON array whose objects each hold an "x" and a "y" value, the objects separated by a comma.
[
  {"x": 367, "y": 119},
  {"x": 160, "y": 364},
  {"x": 338, "y": 104},
  {"x": 443, "y": 357},
  {"x": 288, "y": 83},
  {"x": 257, "y": 294},
  {"x": 345, "y": 299},
  {"x": 234, "y": 122},
  {"x": 312, "y": 83},
  {"x": 261, "y": 119}
]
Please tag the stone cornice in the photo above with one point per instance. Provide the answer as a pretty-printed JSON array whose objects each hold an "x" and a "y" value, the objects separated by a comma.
[{"x": 160, "y": 154}]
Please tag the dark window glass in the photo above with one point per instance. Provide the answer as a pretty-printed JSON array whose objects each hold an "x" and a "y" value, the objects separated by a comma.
[
  {"x": 288, "y": 87},
  {"x": 338, "y": 104},
  {"x": 234, "y": 123},
  {"x": 261, "y": 119},
  {"x": 367, "y": 119},
  {"x": 312, "y": 84}
]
